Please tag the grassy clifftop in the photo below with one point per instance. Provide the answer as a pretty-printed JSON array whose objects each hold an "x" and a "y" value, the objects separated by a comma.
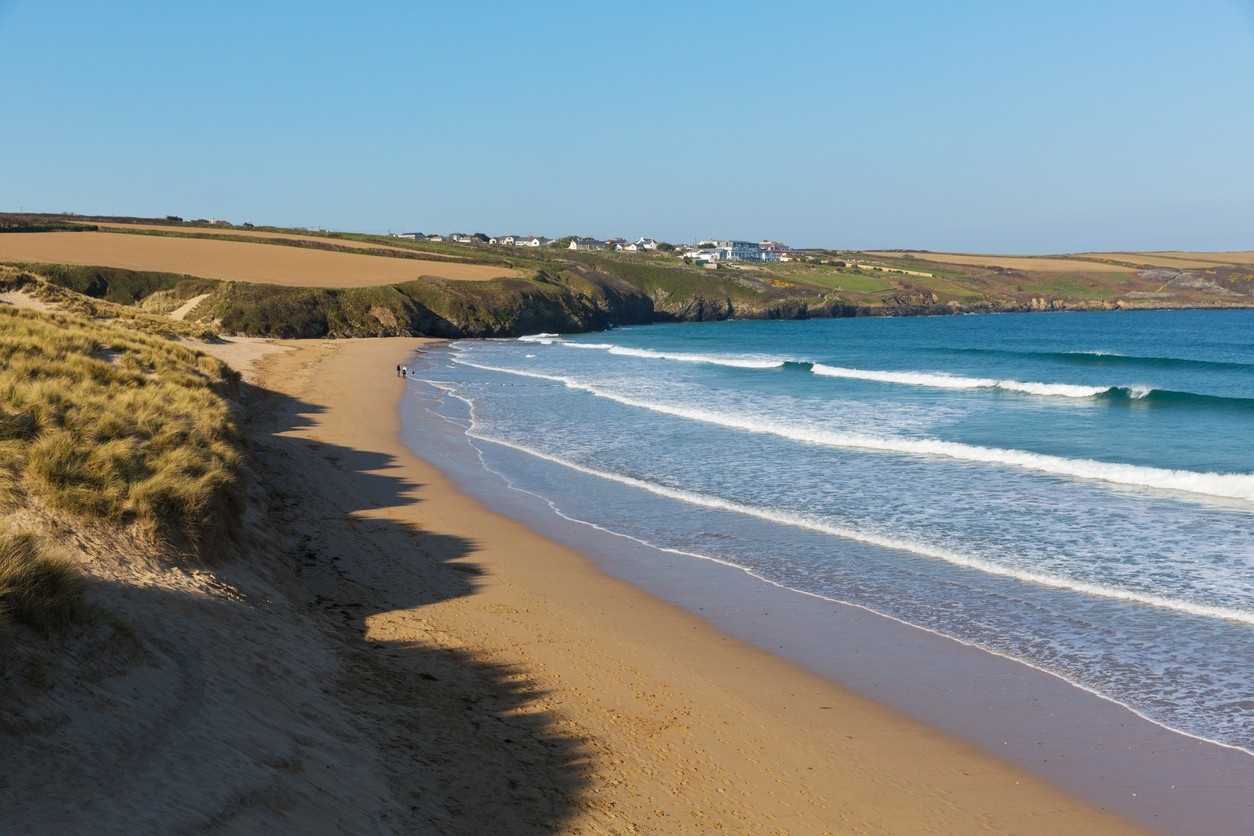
[{"x": 543, "y": 289}]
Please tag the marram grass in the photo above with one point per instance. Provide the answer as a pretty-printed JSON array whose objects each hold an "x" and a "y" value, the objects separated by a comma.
[
  {"x": 133, "y": 318},
  {"x": 37, "y": 589},
  {"x": 101, "y": 423}
]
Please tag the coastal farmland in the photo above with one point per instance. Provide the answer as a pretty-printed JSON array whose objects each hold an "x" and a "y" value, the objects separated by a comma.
[
  {"x": 1101, "y": 262},
  {"x": 276, "y": 282},
  {"x": 1177, "y": 259},
  {"x": 248, "y": 232},
  {"x": 233, "y": 260},
  {"x": 1043, "y": 264}
]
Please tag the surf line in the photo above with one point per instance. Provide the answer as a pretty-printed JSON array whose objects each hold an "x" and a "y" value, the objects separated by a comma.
[
  {"x": 936, "y": 380},
  {"x": 1222, "y": 485},
  {"x": 795, "y": 520}
]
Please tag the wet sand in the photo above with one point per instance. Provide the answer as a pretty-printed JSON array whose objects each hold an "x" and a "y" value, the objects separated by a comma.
[{"x": 666, "y": 723}]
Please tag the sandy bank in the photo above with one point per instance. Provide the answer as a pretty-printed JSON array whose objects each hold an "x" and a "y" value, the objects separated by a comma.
[{"x": 511, "y": 677}]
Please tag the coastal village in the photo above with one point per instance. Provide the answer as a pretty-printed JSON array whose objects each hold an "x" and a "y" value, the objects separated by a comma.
[{"x": 708, "y": 252}]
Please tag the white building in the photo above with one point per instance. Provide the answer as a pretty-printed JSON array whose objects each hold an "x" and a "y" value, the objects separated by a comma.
[
  {"x": 707, "y": 254},
  {"x": 586, "y": 244},
  {"x": 639, "y": 245},
  {"x": 747, "y": 251},
  {"x": 733, "y": 251}
]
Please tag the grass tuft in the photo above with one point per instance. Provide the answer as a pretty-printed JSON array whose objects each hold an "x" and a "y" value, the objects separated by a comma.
[
  {"x": 37, "y": 589},
  {"x": 103, "y": 423}
]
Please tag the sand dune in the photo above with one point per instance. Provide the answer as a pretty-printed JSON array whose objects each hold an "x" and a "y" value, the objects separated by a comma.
[{"x": 232, "y": 260}]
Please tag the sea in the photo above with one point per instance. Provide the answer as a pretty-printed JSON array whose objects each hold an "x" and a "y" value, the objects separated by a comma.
[{"x": 1074, "y": 491}]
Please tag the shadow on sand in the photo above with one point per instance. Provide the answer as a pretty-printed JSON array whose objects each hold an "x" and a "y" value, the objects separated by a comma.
[
  {"x": 240, "y": 692},
  {"x": 466, "y": 743}
]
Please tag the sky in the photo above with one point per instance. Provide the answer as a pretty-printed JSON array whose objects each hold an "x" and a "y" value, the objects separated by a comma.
[{"x": 968, "y": 126}]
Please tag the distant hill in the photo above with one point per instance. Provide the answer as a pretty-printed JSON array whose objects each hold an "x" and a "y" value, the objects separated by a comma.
[{"x": 295, "y": 283}]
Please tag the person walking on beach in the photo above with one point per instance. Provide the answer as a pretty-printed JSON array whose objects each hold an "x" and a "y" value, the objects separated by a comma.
[{"x": 398, "y": 370}]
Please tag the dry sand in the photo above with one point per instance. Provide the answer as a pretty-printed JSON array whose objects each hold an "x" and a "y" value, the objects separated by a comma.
[
  {"x": 575, "y": 701},
  {"x": 382, "y": 654},
  {"x": 231, "y": 260},
  {"x": 22, "y": 299},
  {"x": 181, "y": 312}
]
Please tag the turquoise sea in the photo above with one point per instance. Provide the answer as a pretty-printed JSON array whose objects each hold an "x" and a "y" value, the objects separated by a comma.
[{"x": 1074, "y": 491}]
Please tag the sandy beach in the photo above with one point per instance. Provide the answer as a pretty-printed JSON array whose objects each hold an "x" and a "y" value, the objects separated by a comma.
[
  {"x": 533, "y": 688},
  {"x": 381, "y": 653}
]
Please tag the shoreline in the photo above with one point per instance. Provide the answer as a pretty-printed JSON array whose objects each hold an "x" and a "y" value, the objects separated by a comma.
[
  {"x": 676, "y": 724},
  {"x": 1079, "y": 740}
]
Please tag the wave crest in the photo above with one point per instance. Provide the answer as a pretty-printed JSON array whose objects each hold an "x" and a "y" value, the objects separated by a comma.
[
  {"x": 1220, "y": 485},
  {"x": 969, "y": 561}
]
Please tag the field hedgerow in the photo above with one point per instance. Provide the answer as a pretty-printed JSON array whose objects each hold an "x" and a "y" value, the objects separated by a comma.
[{"x": 101, "y": 423}]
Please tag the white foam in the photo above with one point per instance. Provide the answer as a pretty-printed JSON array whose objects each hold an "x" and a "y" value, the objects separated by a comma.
[
  {"x": 967, "y": 561},
  {"x": 1225, "y": 485},
  {"x": 942, "y": 380},
  {"x": 741, "y": 361}
]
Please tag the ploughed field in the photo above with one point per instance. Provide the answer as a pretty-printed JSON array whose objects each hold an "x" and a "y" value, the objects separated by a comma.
[{"x": 232, "y": 260}]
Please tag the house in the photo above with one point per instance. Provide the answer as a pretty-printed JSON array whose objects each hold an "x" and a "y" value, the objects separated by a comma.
[
  {"x": 532, "y": 241},
  {"x": 417, "y": 236},
  {"x": 639, "y": 245},
  {"x": 586, "y": 244},
  {"x": 463, "y": 238},
  {"x": 435, "y": 237},
  {"x": 707, "y": 255},
  {"x": 746, "y": 251}
]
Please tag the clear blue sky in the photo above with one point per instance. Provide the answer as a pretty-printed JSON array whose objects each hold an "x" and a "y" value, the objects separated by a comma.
[{"x": 999, "y": 126}]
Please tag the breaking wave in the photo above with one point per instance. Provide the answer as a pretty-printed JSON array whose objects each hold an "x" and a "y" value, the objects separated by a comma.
[
  {"x": 813, "y": 523},
  {"x": 1221, "y": 485},
  {"x": 1125, "y": 395}
]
